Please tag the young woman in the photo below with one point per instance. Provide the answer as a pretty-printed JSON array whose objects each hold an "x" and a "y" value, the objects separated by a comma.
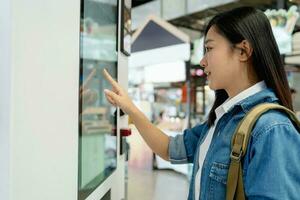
[{"x": 243, "y": 66}]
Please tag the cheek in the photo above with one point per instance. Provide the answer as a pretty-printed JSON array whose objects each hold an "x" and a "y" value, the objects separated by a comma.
[
  {"x": 221, "y": 73},
  {"x": 218, "y": 57},
  {"x": 218, "y": 64}
]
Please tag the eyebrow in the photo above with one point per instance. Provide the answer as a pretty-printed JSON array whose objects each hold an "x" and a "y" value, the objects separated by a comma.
[{"x": 208, "y": 40}]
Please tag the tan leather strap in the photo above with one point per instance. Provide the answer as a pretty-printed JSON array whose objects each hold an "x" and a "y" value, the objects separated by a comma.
[
  {"x": 234, "y": 181},
  {"x": 235, "y": 188}
]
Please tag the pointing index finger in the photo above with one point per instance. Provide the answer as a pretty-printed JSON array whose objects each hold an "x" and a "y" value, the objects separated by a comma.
[{"x": 110, "y": 79}]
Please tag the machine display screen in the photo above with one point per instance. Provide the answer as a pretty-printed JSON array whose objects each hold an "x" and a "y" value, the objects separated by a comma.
[{"x": 97, "y": 119}]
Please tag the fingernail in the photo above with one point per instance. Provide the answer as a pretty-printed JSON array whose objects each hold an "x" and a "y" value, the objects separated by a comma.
[{"x": 106, "y": 90}]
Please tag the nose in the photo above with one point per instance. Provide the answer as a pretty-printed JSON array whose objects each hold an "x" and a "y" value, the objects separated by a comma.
[{"x": 203, "y": 62}]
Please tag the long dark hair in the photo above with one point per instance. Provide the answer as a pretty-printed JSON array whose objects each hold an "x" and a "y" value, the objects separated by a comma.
[{"x": 247, "y": 23}]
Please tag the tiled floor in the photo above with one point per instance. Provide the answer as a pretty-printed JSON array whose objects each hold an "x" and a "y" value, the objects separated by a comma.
[
  {"x": 156, "y": 185},
  {"x": 147, "y": 184}
]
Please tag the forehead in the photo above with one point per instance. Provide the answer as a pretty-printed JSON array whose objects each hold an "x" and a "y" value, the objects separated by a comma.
[{"x": 213, "y": 36}]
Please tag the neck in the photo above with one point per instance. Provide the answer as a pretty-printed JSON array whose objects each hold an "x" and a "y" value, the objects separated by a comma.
[
  {"x": 239, "y": 86},
  {"x": 232, "y": 92},
  {"x": 246, "y": 79}
]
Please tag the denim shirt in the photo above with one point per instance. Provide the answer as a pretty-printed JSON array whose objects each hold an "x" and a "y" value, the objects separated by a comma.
[{"x": 271, "y": 168}]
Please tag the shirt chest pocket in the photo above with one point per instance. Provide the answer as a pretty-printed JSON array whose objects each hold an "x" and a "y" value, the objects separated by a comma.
[{"x": 217, "y": 181}]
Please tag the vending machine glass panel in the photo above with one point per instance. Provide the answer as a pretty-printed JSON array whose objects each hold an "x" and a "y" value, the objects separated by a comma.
[{"x": 97, "y": 118}]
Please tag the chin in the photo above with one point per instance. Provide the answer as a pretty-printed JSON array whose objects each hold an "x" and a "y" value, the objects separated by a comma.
[
  {"x": 211, "y": 87},
  {"x": 214, "y": 87}
]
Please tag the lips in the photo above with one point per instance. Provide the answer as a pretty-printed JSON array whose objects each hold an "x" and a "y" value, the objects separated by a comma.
[{"x": 207, "y": 73}]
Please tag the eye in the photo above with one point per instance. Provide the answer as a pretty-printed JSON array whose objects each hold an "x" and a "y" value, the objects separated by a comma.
[{"x": 207, "y": 49}]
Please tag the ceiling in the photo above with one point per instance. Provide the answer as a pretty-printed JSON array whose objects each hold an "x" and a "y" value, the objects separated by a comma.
[
  {"x": 139, "y": 2},
  {"x": 197, "y": 21}
]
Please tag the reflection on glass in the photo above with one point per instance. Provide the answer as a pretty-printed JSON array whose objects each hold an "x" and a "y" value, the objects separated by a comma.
[
  {"x": 126, "y": 27},
  {"x": 97, "y": 140}
]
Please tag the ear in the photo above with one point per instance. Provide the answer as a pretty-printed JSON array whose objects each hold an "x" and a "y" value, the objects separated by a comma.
[{"x": 244, "y": 50}]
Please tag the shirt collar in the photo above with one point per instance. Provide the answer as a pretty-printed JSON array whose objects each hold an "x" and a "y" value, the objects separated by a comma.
[{"x": 230, "y": 102}]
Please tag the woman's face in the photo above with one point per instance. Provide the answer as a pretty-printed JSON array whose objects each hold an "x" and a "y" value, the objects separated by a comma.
[{"x": 220, "y": 61}]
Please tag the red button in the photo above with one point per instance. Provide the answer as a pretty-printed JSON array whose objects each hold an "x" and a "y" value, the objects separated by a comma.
[{"x": 125, "y": 132}]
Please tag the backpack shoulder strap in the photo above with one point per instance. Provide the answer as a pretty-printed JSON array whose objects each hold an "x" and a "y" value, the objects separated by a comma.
[{"x": 235, "y": 188}]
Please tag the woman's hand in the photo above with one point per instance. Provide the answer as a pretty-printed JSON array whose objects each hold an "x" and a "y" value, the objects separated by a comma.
[
  {"x": 154, "y": 137},
  {"x": 118, "y": 97}
]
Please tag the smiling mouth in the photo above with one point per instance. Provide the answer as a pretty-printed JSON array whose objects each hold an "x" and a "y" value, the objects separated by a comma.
[{"x": 207, "y": 73}]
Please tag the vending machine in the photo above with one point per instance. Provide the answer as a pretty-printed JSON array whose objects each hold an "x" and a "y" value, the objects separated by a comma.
[{"x": 60, "y": 139}]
